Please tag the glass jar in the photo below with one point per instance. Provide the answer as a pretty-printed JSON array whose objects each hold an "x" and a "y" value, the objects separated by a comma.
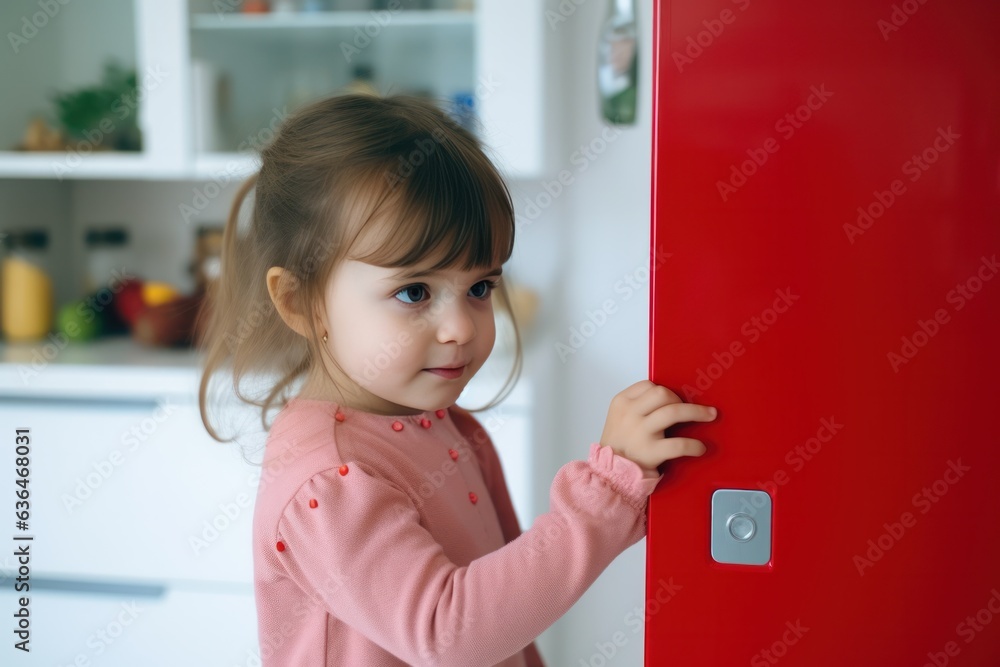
[
  {"x": 107, "y": 257},
  {"x": 27, "y": 301}
]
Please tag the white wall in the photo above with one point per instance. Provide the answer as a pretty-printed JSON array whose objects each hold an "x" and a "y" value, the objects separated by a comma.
[{"x": 602, "y": 220}]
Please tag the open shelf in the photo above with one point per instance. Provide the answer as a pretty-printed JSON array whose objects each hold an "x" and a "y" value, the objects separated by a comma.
[
  {"x": 63, "y": 165},
  {"x": 214, "y": 86},
  {"x": 295, "y": 23}
]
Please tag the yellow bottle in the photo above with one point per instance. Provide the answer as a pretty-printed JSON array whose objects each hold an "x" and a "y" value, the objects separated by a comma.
[{"x": 27, "y": 290}]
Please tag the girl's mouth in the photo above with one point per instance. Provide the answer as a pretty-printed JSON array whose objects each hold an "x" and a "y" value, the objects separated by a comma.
[{"x": 447, "y": 373}]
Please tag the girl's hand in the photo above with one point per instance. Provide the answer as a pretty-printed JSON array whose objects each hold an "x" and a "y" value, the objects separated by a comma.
[{"x": 639, "y": 415}]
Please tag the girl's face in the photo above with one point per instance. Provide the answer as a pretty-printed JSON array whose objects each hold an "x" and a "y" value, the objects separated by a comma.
[{"x": 390, "y": 330}]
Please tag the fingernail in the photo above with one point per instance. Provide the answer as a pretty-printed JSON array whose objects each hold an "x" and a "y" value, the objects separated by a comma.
[{"x": 714, "y": 412}]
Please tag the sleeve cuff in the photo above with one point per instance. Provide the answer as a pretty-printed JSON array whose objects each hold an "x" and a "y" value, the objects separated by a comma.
[{"x": 624, "y": 475}]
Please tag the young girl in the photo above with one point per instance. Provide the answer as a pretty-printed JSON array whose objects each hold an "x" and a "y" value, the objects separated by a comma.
[{"x": 383, "y": 531}]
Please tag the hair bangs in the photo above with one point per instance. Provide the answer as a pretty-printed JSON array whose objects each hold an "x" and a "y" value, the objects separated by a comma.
[{"x": 451, "y": 210}]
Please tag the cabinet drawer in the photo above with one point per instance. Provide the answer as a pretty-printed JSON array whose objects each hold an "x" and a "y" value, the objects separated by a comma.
[
  {"x": 132, "y": 490},
  {"x": 124, "y": 628}
]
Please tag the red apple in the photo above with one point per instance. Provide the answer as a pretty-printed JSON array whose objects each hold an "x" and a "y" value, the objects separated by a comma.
[{"x": 128, "y": 301}]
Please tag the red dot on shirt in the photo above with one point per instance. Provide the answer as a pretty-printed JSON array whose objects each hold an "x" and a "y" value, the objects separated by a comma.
[
  {"x": 439, "y": 413},
  {"x": 426, "y": 423},
  {"x": 453, "y": 454},
  {"x": 343, "y": 469},
  {"x": 339, "y": 416},
  {"x": 473, "y": 497},
  {"x": 281, "y": 546},
  {"x": 397, "y": 426},
  {"x": 313, "y": 503}
]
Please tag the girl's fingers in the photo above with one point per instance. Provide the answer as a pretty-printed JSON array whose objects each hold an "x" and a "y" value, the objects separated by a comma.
[
  {"x": 672, "y": 448},
  {"x": 638, "y": 389},
  {"x": 655, "y": 396},
  {"x": 675, "y": 413}
]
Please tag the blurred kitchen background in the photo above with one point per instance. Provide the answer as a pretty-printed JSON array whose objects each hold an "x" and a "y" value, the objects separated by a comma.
[{"x": 125, "y": 129}]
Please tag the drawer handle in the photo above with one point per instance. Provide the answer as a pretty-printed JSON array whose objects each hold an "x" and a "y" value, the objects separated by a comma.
[
  {"x": 92, "y": 587},
  {"x": 71, "y": 402}
]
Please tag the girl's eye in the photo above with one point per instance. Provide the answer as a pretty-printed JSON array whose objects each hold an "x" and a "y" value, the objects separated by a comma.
[
  {"x": 490, "y": 285},
  {"x": 411, "y": 292}
]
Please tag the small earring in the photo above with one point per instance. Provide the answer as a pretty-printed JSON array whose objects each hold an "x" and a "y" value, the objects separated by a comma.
[{"x": 324, "y": 338}]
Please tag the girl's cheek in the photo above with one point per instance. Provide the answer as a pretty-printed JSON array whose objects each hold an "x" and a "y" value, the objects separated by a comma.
[{"x": 417, "y": 322}]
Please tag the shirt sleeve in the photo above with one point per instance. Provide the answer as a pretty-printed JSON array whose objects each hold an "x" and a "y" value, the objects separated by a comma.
[
  {"x": 361, "y": 551},
  {"x": 492, "y": 470}
]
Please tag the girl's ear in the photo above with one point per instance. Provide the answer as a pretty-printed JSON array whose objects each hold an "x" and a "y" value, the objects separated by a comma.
[{"x": 281, "y": 285}]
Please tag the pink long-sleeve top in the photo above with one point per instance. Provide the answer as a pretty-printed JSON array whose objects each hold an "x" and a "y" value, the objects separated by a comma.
[{"x": 391, "y": 540}]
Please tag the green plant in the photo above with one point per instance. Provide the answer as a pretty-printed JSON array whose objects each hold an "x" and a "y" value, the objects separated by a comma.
[{"x": 104, "y": 114}]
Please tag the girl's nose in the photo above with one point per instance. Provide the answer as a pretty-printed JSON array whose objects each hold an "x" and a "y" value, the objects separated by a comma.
[{"x": 456, "y": 324}]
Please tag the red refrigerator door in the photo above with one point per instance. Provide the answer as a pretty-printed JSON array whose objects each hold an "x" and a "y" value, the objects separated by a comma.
[{"x": 825, "y": 237}]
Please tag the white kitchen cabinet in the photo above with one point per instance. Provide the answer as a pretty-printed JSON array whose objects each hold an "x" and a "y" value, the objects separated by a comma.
[
  {"x": 126, "y": 626},
  {"x": 137, "y": 487},
  {"x": 132, "y": 507},
  {"x": 142, "y": 523},
  {"x": 494, "y": 51}
]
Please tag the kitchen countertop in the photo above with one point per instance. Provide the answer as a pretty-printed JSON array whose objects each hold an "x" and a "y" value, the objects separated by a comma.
[
  {"x": 108, "y": 368},
  {"x": 118, "y": 368}
]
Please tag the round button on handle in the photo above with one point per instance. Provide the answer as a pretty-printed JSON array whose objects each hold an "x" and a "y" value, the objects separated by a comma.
[{"x": 741, "y": 526}]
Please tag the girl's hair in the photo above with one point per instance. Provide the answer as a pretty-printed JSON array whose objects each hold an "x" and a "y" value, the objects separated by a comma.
[{"x": 339, "y": 171}]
